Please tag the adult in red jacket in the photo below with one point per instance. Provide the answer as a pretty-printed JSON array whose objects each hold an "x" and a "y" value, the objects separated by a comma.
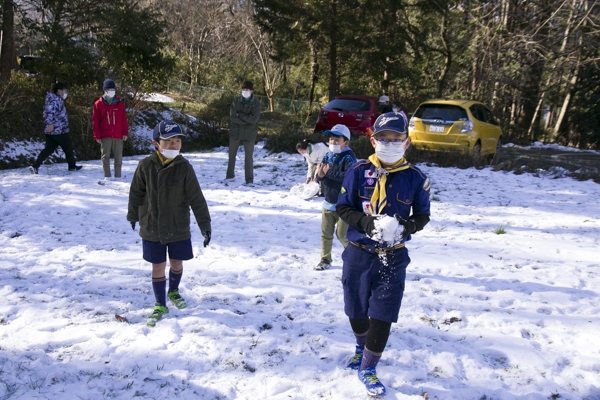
[{"x": 110, "y": 127}]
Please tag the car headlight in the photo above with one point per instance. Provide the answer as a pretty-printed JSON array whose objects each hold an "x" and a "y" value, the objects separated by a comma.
[
  {"x": 467, "y": 126},
  {"x": 411, "y": 122}
]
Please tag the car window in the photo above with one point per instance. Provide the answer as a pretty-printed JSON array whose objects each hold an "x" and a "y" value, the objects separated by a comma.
[
  {"x": 478, "y": 112},
  {"x": 348, "y": 105},
  {"x": 445, "y": 112},
  {"x": 489, "y": 116}
]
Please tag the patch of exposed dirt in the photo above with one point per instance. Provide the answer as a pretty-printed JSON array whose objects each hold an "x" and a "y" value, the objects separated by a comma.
[{"x": 582, "y": 165}]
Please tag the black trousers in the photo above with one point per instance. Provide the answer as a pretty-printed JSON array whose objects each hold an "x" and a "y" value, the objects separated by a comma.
[{"x": 52, "y": 142}]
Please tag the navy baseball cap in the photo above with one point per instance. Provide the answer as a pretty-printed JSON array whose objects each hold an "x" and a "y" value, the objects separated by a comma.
[
  {"x": 166, "y": 130},
  {"x": 391, "y": 121}
]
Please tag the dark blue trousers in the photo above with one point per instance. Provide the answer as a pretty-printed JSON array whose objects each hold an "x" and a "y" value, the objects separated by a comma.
[{"x": 373, "y": 283}]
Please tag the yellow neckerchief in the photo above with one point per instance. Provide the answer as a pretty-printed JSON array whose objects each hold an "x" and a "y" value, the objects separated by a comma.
[
  {"x": 379, "y": 200},
  {"x": 163, "y": 159}
]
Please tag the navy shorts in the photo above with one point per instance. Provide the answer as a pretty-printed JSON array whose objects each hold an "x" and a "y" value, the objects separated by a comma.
[
  {"x": 156, "y": 252},
  {"x": 372, "y": 289}
]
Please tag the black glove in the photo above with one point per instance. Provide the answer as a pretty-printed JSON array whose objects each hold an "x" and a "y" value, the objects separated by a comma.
[
  {"x": 206, "y": 238},
  {"x": 368, "y": 224},
  {"x": 409, "y": 226},
  {"x": 133, "y": 225}
]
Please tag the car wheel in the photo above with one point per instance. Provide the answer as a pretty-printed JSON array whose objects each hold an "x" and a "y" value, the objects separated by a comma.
[{"x": 476, "y": 152}]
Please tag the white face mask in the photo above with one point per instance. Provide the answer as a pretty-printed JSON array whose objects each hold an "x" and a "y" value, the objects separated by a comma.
[
  {"x": 110, "y": 94},
  {"x": 64, "y": 96},
  {"x": 396, "y": 110},
  {"x": 390, "y": 153},
  {"x": 246, "y": 94},
  {"x": 169, "y": 153},
  {"x": 335, "y": 148}
]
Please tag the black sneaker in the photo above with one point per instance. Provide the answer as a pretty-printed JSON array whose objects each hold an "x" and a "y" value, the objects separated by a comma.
[
  {"x": 33, "y": 170},
  {"x": 76, "y": 168}
]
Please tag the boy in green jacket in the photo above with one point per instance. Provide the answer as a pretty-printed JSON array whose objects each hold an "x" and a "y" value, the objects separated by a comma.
[{"x": 163, "y": 189}]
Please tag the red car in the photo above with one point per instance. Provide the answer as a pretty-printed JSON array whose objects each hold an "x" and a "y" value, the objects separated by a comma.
[{"x": 358, "y": 113}]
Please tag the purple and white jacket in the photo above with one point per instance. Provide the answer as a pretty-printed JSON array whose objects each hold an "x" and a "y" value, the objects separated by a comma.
[{"x": 55, "y": 114}]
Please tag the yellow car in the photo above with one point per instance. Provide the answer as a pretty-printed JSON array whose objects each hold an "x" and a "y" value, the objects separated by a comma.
[{"x": 463, "y": 125}]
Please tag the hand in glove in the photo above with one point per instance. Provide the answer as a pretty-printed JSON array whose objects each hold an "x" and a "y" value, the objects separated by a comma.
[
  {"x": 206, "y": 238},
  {"x": 369, "y": 225},
  {"x": 409, "y": 226},
  {"x": 133, "y": 225}
]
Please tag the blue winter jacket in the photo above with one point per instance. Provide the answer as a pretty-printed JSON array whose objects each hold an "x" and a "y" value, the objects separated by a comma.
[
  {"x": 339, "y": 164},
  {"x": 55, "y": 114}
]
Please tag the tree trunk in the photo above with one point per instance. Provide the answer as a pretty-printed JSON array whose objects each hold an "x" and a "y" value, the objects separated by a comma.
[
  {"x": 385, "y": 84},
  {"x": 530, "y": 132},
  {"x": 271, "y": 103},
  {"x": 333, "y": 78},
  {"x": 513, "y": 112},
  {"x": 447, "y": 58},
  {"x": 566, "y": 102},
  {"x": 8, "y": 56},
  {"x": 573, "y": 81},
  {"x": 505, "y": 13},
  {"x": 314, "y": 73},
  {"x": 474, "y": 65}
]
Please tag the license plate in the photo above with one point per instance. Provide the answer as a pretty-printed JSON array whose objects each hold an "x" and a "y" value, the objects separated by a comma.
[{"x": 436, "y": 128}]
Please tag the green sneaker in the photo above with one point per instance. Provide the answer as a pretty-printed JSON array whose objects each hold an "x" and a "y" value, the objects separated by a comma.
[
  {"x": 156, "y": 315},
  {"x": 176, "y": 299}
]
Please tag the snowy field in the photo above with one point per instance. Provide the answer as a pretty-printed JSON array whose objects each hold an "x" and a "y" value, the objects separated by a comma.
[{"x": 501, "y": 302}]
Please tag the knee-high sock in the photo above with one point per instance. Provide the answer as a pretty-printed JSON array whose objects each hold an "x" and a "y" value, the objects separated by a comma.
[
  {"x": 158, "y": 286},
  {"x": 369, "y": 359},
  {"x": 378, "y": 335},
  {"x": 360, "y": 327},
  {"x": 174, "y": 279}
]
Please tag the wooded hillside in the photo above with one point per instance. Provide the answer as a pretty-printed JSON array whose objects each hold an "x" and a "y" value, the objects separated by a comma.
[{"x": 535, "y": 63}]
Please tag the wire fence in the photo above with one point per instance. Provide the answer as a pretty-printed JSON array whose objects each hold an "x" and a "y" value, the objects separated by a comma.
[{"x": 209, "y": 95}]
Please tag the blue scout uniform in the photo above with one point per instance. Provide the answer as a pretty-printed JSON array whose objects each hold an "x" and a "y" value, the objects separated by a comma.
[{"x": 373, "y": 275}]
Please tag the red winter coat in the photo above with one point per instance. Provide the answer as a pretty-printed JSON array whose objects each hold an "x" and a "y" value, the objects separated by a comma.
[{"x": 109, "y": 120}]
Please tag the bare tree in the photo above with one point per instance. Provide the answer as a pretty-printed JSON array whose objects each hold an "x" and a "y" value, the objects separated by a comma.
[
  {"x": 8, "y": 56},
  {"x": 273, "y": 72}
]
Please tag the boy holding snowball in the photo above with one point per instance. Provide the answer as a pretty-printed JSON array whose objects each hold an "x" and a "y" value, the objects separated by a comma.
[{"x": 384, "y": 200}]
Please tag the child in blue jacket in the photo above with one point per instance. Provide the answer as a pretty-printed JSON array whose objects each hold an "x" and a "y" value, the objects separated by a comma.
[{"x": 331, "y": 174}]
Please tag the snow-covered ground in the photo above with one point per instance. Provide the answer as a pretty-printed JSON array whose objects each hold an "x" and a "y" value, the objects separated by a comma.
[
  {"x": 501, "y": 302},
  {"x": 156, "y": 97}
]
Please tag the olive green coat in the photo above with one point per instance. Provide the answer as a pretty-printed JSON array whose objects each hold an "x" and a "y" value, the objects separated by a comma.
[
  {"x": 243, "y": 119},
  {"x": 160, "y": 198}
]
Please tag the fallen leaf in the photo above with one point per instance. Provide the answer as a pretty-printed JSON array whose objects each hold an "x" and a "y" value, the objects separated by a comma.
[{"x": 121, "y": 319}]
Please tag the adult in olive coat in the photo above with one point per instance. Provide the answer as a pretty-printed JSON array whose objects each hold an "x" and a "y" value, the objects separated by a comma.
[{"x": 244, "y": 115}]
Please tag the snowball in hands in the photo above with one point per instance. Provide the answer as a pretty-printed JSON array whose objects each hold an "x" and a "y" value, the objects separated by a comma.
[{"x": 387, "y": 229}]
